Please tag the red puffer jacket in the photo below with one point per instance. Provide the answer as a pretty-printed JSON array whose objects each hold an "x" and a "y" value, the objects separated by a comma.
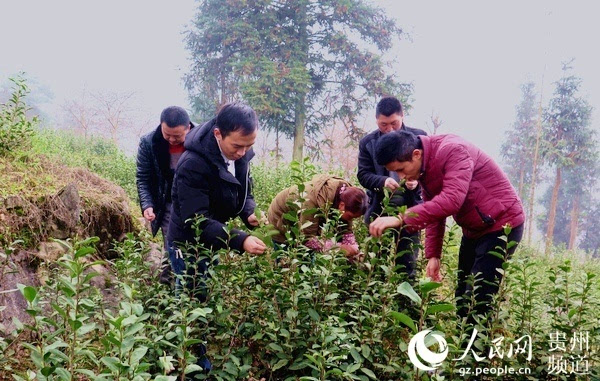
[{"x": 460, "y": 180}]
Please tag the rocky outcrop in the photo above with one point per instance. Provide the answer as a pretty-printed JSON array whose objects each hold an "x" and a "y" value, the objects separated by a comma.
[{"x": 33, "y": 225}]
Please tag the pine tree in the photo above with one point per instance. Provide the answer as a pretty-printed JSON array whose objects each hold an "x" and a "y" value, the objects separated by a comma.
[
  {"x": 518, "y": 148},
  {"x": 301, "y": 64},
  {"x": 568, "y": 137}
]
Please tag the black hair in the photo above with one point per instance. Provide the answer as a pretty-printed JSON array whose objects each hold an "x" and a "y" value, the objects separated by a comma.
[
  {"x": 396, "y": 146},
  {"x": 236, "y": 116},
  {"x": 388, "y": 106},
  {"x": 175, "y": 116},
  {"x": 354, "y": 198}
]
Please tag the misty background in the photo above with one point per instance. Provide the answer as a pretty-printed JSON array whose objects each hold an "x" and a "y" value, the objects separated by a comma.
[{"x": 466, "y": 61}]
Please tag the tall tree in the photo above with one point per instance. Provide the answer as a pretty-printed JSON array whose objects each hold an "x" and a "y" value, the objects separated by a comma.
[
  {"x": 574, "y": 205},
  {"x": 567, "y": 135},
  {"x": 590, "y": 239},
  {"x": 518, "y": 148},
  {"x": 301, "y": 64}
]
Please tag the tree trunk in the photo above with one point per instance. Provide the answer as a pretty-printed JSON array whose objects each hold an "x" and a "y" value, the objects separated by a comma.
[
  {"x": 552, "y": 214},
  {"x": 276, "y": 149},
  {"x": 574, "y": 222},
  {"x": 300, "y": 106},
  {"x": 299, "y": 119},
  {"x": 521, "y": 177},
  {"x": 530, "y": 216}
]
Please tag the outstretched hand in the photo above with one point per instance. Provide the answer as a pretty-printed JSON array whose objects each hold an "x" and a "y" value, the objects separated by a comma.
[
  {"x": 391, "y": 184},
  {"x": 377, "y": 227},
  {"x": 252, "y": 220},
  {"x": 254, "y": 245},
  {"x": 433, "y": 269}
]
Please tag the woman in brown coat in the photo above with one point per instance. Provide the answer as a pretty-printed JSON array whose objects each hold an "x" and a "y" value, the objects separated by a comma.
[{"x": 322, "y": 194}]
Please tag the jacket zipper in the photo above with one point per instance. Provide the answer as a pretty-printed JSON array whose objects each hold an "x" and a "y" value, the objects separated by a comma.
[{"x": 246, "y": 194}]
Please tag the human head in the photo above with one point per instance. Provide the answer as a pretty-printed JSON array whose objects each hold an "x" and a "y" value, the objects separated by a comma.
[
  {"x": 174, "y": 124},
  {"x": 351, "y": 201},
  {"x": 389, "y": 114},
  {"x": 401, "y": 152},
  {"x": 236, "y": 129}
]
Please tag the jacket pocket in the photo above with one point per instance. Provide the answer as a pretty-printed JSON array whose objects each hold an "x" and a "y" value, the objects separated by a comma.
[{"x": 480, "y": 210}]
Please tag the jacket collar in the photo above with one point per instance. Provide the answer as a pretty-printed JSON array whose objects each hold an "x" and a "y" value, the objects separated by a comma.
[
  {"x": 426, "y": 142},
  {"x": 203, "y": 142}
]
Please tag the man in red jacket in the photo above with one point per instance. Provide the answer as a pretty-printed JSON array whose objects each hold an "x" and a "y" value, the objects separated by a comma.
[{"x": 458, "y": 180}]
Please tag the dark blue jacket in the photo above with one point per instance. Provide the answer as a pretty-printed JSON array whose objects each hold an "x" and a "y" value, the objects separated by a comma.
[
  {"x": 372, "y": 176},
  {"x": 154, "y": 176},
  {"x": 204, "y": 187}
]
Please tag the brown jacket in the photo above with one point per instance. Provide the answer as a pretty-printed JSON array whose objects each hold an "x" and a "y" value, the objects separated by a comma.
[{"x": 320, "y": 194}]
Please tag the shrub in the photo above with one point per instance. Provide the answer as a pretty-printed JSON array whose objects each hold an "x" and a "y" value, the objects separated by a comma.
[{"x": 16, "y": 129}]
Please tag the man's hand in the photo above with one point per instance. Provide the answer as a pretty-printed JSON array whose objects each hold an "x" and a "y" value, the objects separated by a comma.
[
  {"x": 433, "y": 269},
  {"x": 411, "y": 184},
  {"x": 391, "y": 184},
  {"x": 252, "y": 220},
  {"x": 352, "y": 253},
  {"x": 254, "y": 245},
  {"x": 149, "y": 214},
  {"x": 380, "y": 224},
  {"x": 351, "y": 250}
]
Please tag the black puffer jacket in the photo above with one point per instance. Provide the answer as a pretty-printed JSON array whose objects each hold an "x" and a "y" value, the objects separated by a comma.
[
  {"x": 203, "y": 187},
  {"x": 372, "y": 176},
  {"x": 154, "y": 176}
]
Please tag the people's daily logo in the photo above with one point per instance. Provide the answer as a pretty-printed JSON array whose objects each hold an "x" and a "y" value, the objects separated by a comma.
[{"x": 421, "y": 356}]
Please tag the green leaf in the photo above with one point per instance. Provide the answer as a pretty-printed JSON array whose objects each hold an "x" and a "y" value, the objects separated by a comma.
[
  {"x": 332, "y": 296},
  {"x": 404, "y": 319},
  {"x": 369, "y": 373},
  {"x": 442, "y": 307},
  {"x": 366, "y": 351},
  {"x": 280, "y": 364},
  {"x": 314, "y": 315},
  {"x": 496, "y": 254},
  {"x": 63, "y": 374},
  {"x": 298, "y": 366},
  {"x": 138, "y": 354},
  {"x": 406, "y": 289},
  {"x": 17, "y": 323},
  {"x": 192, "y": 368},
  {"x": 84, "y": 251},
  {"x": 28, "y": 292},
  {"x": 428, "y": 286},
  {"x": 86, "y": 328},
  {"x": 112, "y": 363},
  {"x": 275, "y": 347}
]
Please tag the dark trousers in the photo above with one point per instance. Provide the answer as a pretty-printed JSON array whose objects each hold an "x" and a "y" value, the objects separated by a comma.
[
  {"x": 407, "y": 252},
  {"x": 165, "y": 270},
  {"x": 474, "y": 258},
  {"x": 195, "y": 283},
  {"x": 195, "y": 271}
]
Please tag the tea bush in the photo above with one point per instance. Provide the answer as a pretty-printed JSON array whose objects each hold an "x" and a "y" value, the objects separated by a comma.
[
  {"x": 294, "y": 314},
  {"x": 16, "y": 128}
]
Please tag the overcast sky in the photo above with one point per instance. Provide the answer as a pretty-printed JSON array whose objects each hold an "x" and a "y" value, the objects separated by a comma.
[{"x": 466, "y": 59}]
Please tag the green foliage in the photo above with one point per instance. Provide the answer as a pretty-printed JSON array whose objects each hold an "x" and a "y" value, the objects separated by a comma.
[
  {"x": 98, "y": 155},
  {"x": 16, "y": 129},
  {"x": 519, "y": 147},
  {"x": 291, "y": 314},
  {"x": 298, "y": 63}
]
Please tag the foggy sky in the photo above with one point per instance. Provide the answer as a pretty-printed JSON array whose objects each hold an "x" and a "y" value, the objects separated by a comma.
[{"x": 465, "y": 59}]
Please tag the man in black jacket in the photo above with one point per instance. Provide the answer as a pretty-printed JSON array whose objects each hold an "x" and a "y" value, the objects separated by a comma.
[
  {"x": 375, "y": 178},
  {"x": 157, "y": 158},
  {"x": 213, "y": 181}
]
